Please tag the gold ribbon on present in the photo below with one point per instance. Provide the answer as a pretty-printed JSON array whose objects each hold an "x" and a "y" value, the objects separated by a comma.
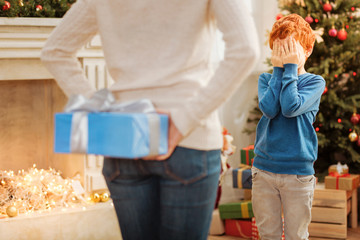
[{"x": 242, "y": 167}]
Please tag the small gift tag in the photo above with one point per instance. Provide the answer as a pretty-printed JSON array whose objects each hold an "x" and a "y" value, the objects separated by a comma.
[{"x": 78, "y": 189}]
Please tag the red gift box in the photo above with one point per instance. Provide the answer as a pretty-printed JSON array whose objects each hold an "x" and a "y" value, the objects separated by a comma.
[{"x": 238, "y": 228}]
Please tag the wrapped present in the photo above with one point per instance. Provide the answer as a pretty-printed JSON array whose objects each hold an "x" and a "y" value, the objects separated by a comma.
[
  {"x": 247, "y": 194},
  {"x": 339, "y": 168},
  {"x": 242, "y": 177},
  {"x": 242, "y": 209},
  {"x": 247, "y": 155},
  {"x": 345, "y": 181},
  {"x": 217, "y": 226},
  {"x": 101, "y": 126},
  {"x": 238, "y": 228},
  {"x": 255, "y": 232}
]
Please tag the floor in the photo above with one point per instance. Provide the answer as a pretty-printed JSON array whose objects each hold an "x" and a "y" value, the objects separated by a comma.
[{"x": 353, "y": 234}]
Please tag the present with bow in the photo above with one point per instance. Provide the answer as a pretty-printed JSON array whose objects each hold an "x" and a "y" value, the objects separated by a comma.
[
  {"x": 241, "y": 209},
  {"x": 242, "y": 177},
  {"x": 238, "y": 228},
  {"x": 102, "y": 126},
  {"x": 247, "y": 155},
  {"x": 344, "y": 181}
]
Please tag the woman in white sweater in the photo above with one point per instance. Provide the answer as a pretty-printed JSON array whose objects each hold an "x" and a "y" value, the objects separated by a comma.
[{"x": 160, "y": 50}]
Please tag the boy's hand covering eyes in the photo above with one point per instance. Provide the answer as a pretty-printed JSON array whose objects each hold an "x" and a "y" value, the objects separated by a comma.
[
  {"x": 276, "y": 59},
  {"x": 290, "y": 51}
]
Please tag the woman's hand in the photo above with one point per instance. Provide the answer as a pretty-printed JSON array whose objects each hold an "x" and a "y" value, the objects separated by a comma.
[
  {"x": 289, "y": 51},
  {"x": 174, "y": 137},
  {"x": 276, "y": 54}
]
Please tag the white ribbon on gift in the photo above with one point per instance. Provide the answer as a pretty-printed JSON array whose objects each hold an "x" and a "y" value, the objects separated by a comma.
[{"x": 104, "y": 101}]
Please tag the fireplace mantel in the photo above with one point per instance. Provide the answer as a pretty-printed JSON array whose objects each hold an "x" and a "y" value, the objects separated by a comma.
[
  {"x": 21, "y": 41},
  {"x": 27, "y": 107}
]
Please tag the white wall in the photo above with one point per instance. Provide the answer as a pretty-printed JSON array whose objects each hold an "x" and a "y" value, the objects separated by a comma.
[{"x": 235, "y": 111}]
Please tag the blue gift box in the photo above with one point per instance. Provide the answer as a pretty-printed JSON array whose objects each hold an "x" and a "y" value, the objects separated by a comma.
[
  {"x": 122, "y": 135},
  {"x": 242, "y": 178}
]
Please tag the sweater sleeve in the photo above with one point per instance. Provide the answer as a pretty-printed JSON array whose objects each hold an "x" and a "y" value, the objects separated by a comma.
[
  {"x": 269, "y": 93},
  {"x": 241, "y": 53},
  {"x": 77, "y": 27},
  {"x": 295, "y": 100}
]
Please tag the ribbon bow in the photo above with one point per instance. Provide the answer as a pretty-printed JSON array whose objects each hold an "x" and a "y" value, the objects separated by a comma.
[
  {"x": 104, "y": 101},
  {"x": 338, "y": 175}
]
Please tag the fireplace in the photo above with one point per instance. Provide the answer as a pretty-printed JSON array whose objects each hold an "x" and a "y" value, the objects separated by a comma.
[{"x": 29, "y": 97}]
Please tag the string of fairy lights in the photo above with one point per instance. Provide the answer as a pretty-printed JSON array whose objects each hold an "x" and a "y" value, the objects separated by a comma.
[{"x": 39, "y": 190}]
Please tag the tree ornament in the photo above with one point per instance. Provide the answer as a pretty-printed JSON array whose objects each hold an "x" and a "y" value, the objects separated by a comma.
[
  {"x": 11, "y": 211},
  {"x": 332, "y": 32},
  {"x": 353, "y": 136},
  {"x": 325, "y": 90},
  {"x": 6, "y": 6},
  {"x": 95, "y": 197},
  {"x": 354, "y": 119},
  {"x": 21, "y": 3},
  {"x": 327, "y": 7},
  {"x": 278, "y": 16},
  {"x": 353, "y": 9},
  {"x": 39, "y": 7},
  {"x": 342, "y": 35},
  {"x": 309, "y": 19},
  {"x": 104, "y": 197}
]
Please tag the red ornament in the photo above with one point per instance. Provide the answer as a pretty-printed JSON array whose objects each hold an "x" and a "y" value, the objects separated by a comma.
[
  {"x": 347, "y": 26},
  {"x": 6, "y": 6},
  {"x": 39, "y": 7},
  {"x": 339, "y": 120},
  {"x": 279, "y": 16},
  {"x": 309, "y": 19},
  {"x": 325, "y": 90},
  {"x": 317, "y": 129},
  {"x": 316, "y": 20},
  {"x": 335, "y": 75},
  {"x": 354, "y": 119},
  {"x": 342, "y": 35},
  {"x": 354, "y": 74},
  {"x": 352, "y": 8},
  {"x": 332, "y": 32},
  {"x": 327, "y": 7}
]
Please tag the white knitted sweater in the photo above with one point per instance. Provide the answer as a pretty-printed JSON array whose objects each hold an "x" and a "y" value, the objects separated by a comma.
[{"x": 160, "y": 49}]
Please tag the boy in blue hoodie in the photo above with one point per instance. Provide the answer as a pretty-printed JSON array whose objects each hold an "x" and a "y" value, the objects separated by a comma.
[{"x": 286, "y": 142}]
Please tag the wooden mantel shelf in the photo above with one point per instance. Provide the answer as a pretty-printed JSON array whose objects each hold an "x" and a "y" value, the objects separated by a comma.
[{"x": 21, "y": 41}]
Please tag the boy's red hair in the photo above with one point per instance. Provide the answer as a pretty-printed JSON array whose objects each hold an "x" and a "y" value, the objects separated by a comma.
[{"x": 295, "y": 25}]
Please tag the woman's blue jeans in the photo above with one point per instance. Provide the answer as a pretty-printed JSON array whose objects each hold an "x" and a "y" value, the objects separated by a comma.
[{"x": 166, "y": 200}]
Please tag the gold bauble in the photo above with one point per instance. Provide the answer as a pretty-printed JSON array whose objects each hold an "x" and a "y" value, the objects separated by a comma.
[
  {"x": 105, "y": 197},
  {"x": 95, "y": 197},
  {"x": 353, "y": 136},
  {"x": 11, "y": 211},
  {"x": 21, "y": 3}
]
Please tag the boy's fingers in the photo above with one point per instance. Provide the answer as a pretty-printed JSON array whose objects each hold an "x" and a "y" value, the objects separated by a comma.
[{"x": 291, "y": 45}]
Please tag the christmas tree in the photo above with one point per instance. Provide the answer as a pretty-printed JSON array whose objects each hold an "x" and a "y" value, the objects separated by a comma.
[
  {"x": 336, "y": 57},
  {"x": 34, "y": 8}
]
